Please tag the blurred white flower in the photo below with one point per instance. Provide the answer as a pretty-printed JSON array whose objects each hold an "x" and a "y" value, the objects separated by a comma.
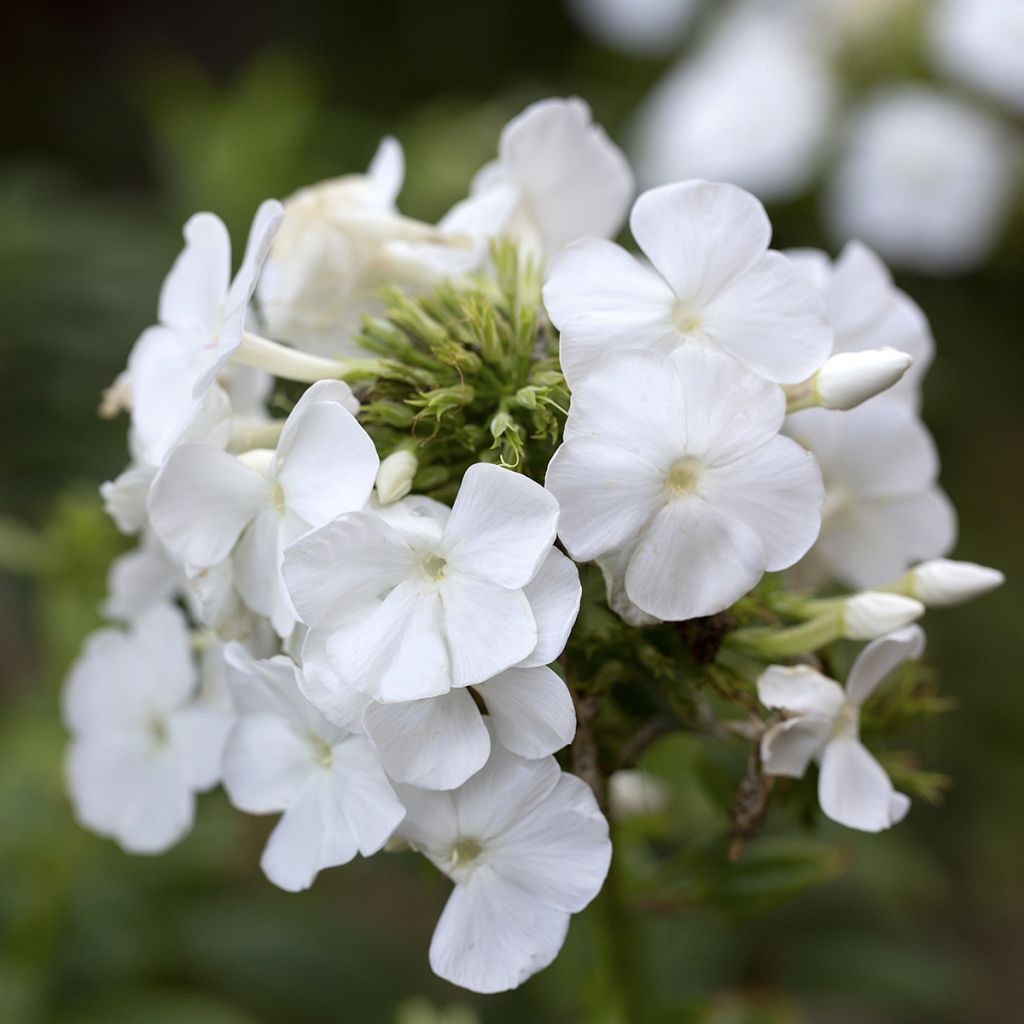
[
  {"x": 925, "y": 179},
  {"x": 981, "y": 42},
  {"x": 943, "y": 582},
  {"x": 143, "y": 740},
  {"x": 526, "y": 846},
  {"x": 412, "y": 607},
  {"x": 678, "y": 459},
  {"x": 753, "y": 107},
  {"x": 282, "y": 755},
  {"x": 142, "y": 578},
  {"x": 853, "y": 788},
  {"x": 633, "y": 793},
  {"x": 712, "y": 280},
  {"x": 201, "y": 320},
  {"x": 204, "y": 501},
  {"x": 883, "y": 507},
  {"x": 645, "y": 27}
]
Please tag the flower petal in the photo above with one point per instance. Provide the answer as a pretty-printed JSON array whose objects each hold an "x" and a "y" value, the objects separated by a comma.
[
  {"x": 800, "y": 689},
  {"x": 787, "y": 747},
  {"x": 267, "y": 764},
  {"x": 531, "y": 711},
  {"x": 194, "y": 291},
  {"x": 554, "y": 595},
  {"x": 881, "y": 657},
  {"x": 853, "y": 788}
]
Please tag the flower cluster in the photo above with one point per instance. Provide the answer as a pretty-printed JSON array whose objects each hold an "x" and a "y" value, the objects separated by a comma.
[{"x": 358, "y": 616}]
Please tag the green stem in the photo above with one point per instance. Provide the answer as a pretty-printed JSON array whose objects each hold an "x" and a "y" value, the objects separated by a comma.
[{"x": 771, "y": 644}]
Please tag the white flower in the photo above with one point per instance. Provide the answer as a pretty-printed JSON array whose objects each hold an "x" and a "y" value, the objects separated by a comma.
[
  {"x": 142, "y": 578},
  {"x": 873, "y": 613},
  {"x": 634, "y": 793},
  {"x": 395, "y": 476},
  {"x": 557, "y": 178},
  {"x": 867, "y": 311},
  {"x": 201, "y": 320},
  {"x": 942, "y": 582},
  {"x": 204, "y": 501},
  {"x": 853, "y": 788},
  {"x": 849, "y": 379},
  {"x": 526, "y": 846},
  {"x": 753, "y": 107},
  {"x": 410, "y": 610},
  {"x": 981, "y": 42},
  {"x": 925, "y": 179},
  {"x": 678, "y": 459},
  {"x": 645, "y": 27},
  {"x": 713, "y": 281},
  {"x": 282, "y": 755},
  {"x": 439, "y": 742},
  {"x": 883, "y": 508},
  {"x": 143, "y": 742}
]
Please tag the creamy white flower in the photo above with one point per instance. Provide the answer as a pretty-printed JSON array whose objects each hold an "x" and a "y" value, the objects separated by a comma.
[
  {"x": 201, "y": 320},
  {"x": 411, "y": 608},
  {"x": 925, "y": 179},
  {"x": 646, "y": 27},
  {"x": 867, "y": 311},
  {"x": 981, "y": 42},
  {"x": 283, "y": 755},
  {"x": 439, "y": 742},
  {"x": 557, "y": 178},
  {"x": 678, "y": 459},
  {"x": 526, "y": 847},
  {"x": 143, "y": 742},
  {"x": 753, "y": 107},
  {"x": 883, "y": 508},
  {"x": 206, "y": 504},
  {"x": 713, "y": 281},
  {"x": 823, "y": 724}
]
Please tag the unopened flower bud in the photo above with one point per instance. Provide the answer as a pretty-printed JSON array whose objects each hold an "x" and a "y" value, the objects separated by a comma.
[
  {"x": 943, "y": 582},
  {"x": 394, "y": 478},
  {"x": 874, "y": 613},
  {"x": 849, "y": 378}
]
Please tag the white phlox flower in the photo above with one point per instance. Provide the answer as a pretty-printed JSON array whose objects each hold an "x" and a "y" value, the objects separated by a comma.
[
  {"x": 206, "y": 504},
  {"x": 823, "y": 724},
  {"x": 201, "y": 317},
  {"x": 712, "y": 281},
  {"x": 883, "y": 507},
  {"x": 867, "y": 311},
  {"x": 141, "y": 578},
  {"x": 439, "y": 742},
  {"x": 526, "y": 846},
  {"x": 412, "y": 608},
  {"x": 557, "y": 178},
  {"x": 283, "y": 756},
  {"x": 678, "y": 460},
  {"x": 143, "y": 740},
  {"x": 925, "y": 179},
  {"x": 644, "y": 27}
]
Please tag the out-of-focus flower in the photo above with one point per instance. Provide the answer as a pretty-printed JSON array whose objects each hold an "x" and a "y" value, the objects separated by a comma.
[
  {"x": 981, "y": 42},
  {"x": 853, "y": 788},
  {"x": 925, "y": 179},
  {"x": 752, "y": 108},
  {"x": 678, "y": 458},
  {"x": 633, "y": 793},
  {"x": 712, "y": 280},
  {"x": 143, "y": 742},
  {"x": 526, "y": 846},
  {"x": 942, "y": 582},
  {"x": 645, "y": 27}
]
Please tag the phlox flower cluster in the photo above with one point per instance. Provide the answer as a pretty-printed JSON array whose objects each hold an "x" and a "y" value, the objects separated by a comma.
[{"x": 367, "y": 629}]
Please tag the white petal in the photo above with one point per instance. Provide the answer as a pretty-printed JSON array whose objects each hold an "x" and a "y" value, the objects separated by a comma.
[
  {"x": 430, "y": 824},
  {"x": 606, "y": 494},
  {"x": 202, "y": 500},
  {"x": 801, "y": 689},
  {"x": 501, "y": 527},
  {"x": 198, "y": 735},
  {"x": 692, "y": 561},
  {"x": 772, "y": 320},
  {"x": 363, "y": 794},
  {"x": 603, "y": 300},
  {"x": 124, "y": 498},
  {"x": 491, "y": 936},
  {"x": 778, "y": 492},
  {"x": 881, "y": 657},
  {"x": 853, "y": 788},
  {"x": 266, "y": 764},
  {"x": 554, "y": 595},
  {"x": 787, "y": 747},
  {"x": 613, "y": 565},
  {"x": 140, "y": 579},
  {"x": 488, "y": 628},
  {"x": 699, "y": 235},
  {"x": 436, "y": 743},
  {"x": 387, "y": 170},
  {"x": 531, "y": 711},
  {"x": 340, "y": 703},
  {"x": 195, "y": 289}
]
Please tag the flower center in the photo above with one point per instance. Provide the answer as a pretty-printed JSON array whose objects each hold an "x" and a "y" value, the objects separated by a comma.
[
  {"x": 277, "y": 496},
  {"x": 846, "y": 722},
  {"x": 433, "y": 567},
  {"x": 685, "y": 319},
  {"x": 159, "y": 734},
  {"x": 682, "y": 476},
  {"x": 321, "y": 751}
]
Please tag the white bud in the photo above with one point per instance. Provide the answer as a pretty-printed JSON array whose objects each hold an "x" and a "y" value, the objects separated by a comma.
[
  {"x": 394, "y": 478},
  {"x": 847, "y": 379},
  {"x": 633, "y": 792},
  {"x": 943, "y": 582},
  {"x": 874, "y": 613}
]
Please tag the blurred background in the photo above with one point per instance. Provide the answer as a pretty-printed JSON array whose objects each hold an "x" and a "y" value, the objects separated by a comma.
[{"x": 897, "y": 121}]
